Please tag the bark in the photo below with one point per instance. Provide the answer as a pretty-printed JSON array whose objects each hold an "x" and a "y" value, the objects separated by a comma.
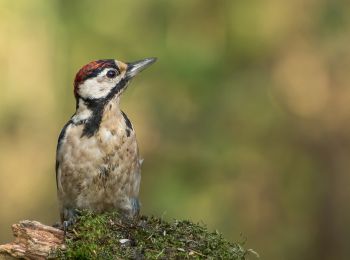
[{"x": 33, "y": 240}]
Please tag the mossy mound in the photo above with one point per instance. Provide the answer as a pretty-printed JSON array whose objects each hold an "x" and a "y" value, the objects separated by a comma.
[{"x": 106, "y": 236}]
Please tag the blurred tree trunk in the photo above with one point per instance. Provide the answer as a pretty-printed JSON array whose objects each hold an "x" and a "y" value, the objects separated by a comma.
[{"x": 330, "y": 237}]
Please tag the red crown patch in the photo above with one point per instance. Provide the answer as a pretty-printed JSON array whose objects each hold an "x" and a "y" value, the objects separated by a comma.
[{"x": 89, "y": 70}]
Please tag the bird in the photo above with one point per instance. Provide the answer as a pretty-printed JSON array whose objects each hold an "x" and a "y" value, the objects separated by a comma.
[{"x": 98, "y": 166}]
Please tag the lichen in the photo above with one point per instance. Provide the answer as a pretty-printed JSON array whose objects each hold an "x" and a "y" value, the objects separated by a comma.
[{"x": 107, "y": 236}]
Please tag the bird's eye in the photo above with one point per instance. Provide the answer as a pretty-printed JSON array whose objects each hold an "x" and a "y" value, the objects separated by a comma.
[{"x": 111, "y": 74}]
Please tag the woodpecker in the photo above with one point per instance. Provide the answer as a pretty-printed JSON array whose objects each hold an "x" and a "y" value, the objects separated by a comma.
[{"x": 98, "y": 166}]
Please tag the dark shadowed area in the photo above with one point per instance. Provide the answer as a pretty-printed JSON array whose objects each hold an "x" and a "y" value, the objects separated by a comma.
[{"x": 243, "y": 122}]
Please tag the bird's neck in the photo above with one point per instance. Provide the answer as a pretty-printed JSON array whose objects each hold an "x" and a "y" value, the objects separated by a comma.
[{"x": 95, "y": 111}]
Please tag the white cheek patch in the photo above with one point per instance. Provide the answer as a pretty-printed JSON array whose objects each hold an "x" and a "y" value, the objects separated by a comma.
[
  {"x": 98, "y": 87},
  {"x": 91, "y": 88}
]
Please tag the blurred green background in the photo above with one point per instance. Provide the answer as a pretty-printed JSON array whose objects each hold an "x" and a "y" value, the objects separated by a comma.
[{"x": 243, "y": 122}]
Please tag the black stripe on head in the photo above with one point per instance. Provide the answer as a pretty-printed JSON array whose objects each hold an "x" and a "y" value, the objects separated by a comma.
[{"x": 105, "y": 64}]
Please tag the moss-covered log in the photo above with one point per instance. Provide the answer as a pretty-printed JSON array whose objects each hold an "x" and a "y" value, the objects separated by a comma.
[{"x": 106, "y": 236}]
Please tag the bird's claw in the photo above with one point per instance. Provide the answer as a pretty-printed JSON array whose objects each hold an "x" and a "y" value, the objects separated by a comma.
[{"x": 66, "y": 225}]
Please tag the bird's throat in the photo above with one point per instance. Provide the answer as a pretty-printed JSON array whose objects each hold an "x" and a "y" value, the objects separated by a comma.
[{"x": 90, "y": 113}]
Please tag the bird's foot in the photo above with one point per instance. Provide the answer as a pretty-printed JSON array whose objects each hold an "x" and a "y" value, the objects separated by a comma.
[
  {"x": 70, "y": 216},
  {"x": 135, "y": 207},
  {"x": 66, "y": 224},
  {"x": 130, "y": 214}
]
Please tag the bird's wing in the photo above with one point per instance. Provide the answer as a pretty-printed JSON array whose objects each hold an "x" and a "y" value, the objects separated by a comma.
[{"x": 59, "y": 143}]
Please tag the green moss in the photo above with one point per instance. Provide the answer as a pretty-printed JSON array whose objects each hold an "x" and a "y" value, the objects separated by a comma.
[{"x": 106, "y": 236}]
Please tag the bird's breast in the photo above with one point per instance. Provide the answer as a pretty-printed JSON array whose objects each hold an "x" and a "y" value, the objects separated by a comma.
[{"x": 96, "y": 170}]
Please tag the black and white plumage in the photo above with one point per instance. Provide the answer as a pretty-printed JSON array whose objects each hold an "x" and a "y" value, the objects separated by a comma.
[{"x": 98, "y": 166}]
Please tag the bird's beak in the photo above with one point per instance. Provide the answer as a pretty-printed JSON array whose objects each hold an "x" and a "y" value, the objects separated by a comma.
[{"x": 138, "y": 66}]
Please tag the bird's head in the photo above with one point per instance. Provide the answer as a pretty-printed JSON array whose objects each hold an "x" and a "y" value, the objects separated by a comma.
[{"x": 105, "y": 79}]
